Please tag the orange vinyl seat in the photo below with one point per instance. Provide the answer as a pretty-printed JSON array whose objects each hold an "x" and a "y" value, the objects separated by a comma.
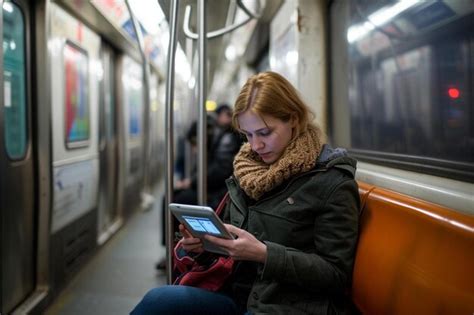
[{"x": 413, "y": 257}]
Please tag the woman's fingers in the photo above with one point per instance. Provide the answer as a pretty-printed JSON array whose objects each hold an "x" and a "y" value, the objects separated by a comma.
[
  {"x": 185, "y": 232},
  {"x": 233, "y": 230}
]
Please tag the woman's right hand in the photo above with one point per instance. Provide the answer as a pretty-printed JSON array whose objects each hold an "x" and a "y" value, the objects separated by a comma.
[{"x": 189, "y": 242}]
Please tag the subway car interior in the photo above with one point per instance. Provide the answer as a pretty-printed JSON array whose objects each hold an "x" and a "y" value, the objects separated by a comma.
[{"x": 99, "y": 96}]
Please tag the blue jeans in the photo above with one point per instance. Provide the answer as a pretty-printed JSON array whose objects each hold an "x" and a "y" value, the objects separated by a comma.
[{"x": 180, "y": 299}]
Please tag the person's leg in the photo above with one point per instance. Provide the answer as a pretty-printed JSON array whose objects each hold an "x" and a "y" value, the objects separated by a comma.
[{"x": 180, "y": 299}]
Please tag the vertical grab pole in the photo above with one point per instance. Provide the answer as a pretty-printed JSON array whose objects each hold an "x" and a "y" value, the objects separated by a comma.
[
  {"x": 202, "y": 117},
  {"x": 169, "y": 139}
]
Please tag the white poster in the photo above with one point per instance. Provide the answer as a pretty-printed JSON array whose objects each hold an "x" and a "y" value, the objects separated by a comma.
[{"x": 75, "y": 192}]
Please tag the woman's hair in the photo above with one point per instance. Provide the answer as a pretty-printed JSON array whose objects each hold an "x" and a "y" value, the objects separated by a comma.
[{"x": 269, "y": 93}]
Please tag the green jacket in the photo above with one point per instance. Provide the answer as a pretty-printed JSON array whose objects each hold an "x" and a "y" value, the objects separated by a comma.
[{"x": 310, "y": 227}]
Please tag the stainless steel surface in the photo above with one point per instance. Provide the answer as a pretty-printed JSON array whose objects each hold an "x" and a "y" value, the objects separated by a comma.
[
  {"x": 146, "y": 81},
  {"x": 43, "y": 149},
  {"x": 202, "y": 116},
  {"x": 18, "y": 240},
  {"x": 255, "y": 15},
  {"x": 169, "y": 138},
  {"x": 107, "y": 149},
  {"x": 211, "y": 35},
  {"x": 218, "y": 9},
  {"x": 86, "y": 11}
]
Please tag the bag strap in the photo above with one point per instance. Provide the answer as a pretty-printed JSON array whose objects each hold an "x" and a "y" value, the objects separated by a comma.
[{"x": 222, "y": 203}]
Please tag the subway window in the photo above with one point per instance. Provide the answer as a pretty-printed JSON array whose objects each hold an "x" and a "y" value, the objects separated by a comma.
[
  {"x": 14, "y": 81},
  {"x": 403, "y": 70}
]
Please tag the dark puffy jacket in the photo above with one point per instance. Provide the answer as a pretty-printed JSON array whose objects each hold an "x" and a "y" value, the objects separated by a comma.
[{"x": 310, "y": 227}]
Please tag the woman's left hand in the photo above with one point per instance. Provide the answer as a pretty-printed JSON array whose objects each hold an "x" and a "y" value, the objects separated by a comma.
[{"x": 244, "y": 247}]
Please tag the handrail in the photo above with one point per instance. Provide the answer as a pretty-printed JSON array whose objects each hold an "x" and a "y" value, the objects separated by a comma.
[
  {"x": 202, "y": 119},
  {"x": 190, "y": 34},
  {"x": 247, "y": 11},
  {"x": 169, "y": 139}
]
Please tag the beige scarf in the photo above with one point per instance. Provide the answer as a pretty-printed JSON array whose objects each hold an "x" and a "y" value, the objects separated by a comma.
[{"x": 256, "y": 177}]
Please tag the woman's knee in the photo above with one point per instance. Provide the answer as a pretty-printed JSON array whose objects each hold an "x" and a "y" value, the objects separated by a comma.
[
  {"x": 176, "y": 299},
  {"x": 156, "y": 300}
]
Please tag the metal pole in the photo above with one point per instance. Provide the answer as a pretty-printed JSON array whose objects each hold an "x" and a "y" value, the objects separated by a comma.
[
  {"x": 169, "y": 139},
  {"x": 202, "y": 117}
]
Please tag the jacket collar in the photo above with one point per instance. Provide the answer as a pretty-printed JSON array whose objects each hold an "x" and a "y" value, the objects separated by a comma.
[{"x": 337, "y": 158}]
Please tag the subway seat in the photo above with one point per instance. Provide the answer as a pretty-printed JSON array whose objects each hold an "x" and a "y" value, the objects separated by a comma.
[{"x": 413, "y": 257}]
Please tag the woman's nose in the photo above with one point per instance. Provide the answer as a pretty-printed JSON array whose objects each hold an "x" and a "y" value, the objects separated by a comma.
[{"x": 257, "y": 144}]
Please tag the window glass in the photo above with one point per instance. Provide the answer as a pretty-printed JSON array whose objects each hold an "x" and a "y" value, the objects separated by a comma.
[
  {"x": 133, "y": 96},
  {"x": 408, "y": 67},
  {"x": 76, "y": 102},
  {"x": 14, "y": 81}
]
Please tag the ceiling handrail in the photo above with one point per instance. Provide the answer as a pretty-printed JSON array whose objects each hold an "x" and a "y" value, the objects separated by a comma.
[
  {"x": 190, "y": 34},
  {"x": 246, "y": 10}
]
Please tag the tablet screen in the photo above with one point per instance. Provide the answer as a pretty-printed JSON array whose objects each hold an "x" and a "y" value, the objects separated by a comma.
[{"x": 204, "y": 225}]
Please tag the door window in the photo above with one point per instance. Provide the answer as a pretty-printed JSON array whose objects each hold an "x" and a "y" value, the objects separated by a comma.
[{"x": 14, "y": 81}]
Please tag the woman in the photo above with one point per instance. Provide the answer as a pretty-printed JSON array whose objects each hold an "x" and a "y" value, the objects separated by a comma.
[{"x": 294, "y": 209}]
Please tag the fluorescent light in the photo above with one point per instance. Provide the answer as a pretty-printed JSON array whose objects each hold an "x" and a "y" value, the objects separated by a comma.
[
  {"x": 230, "y": 53},
  {"x": 149, "y": 13},
  {"x": 291, "y": 58},
  {"x": 191, "y": 83},
  {"x": 182, "y": 67},
  {"x": 358, "y": 31},
  {"x": 7, "y": 6},
  {"x": 384, "y": 15}
]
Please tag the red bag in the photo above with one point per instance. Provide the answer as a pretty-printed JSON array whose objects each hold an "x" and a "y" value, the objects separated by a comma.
[{"x": 207, "y": 270}]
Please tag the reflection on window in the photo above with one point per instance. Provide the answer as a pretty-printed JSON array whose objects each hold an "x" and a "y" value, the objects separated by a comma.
[
  {"x": 14, "y": 81},
  {"x": 135, "y": 109},
  {"x": 133, "y": 91},
  {"x": 76, "y": 103},
  {"x": 410, "y": 77}
]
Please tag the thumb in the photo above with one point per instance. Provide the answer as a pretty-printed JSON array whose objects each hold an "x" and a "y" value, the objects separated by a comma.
[
  {"x": 184, "y": 231},
  {"x": 233, "y": 229}
]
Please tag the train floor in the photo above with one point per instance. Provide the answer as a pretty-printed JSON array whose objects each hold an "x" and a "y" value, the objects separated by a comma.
[{"x": 120, "y": 273}]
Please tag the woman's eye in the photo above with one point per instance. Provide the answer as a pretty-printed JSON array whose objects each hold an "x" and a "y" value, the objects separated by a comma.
[{"x": 265, "y": 133}]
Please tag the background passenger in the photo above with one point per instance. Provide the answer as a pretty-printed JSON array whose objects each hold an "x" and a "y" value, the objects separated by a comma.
[
  {"x": 223, "y": 144},
  {"x": 294, "y": 208}
]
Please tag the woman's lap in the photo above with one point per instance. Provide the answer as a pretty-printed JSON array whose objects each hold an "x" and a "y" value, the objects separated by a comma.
[{"x": 178, "y": 299}]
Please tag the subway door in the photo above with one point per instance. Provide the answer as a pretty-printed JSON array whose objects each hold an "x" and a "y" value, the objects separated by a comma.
[
  {"x": 75, "y": 72},
  {"x": 108, "y": 220},
  {"x": 132, "y": 98},
  {"x": 18, "y": 259}
]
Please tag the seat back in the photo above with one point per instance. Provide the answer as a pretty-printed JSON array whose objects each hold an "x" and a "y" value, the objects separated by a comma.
[{"x": 413, "y": 257}]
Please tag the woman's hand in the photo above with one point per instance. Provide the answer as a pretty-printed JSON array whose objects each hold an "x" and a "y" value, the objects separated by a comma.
[
  {"x": 189, "y": 242},
  {"x": 183, "y": 184},
  {"x": 244, "y": 247}
]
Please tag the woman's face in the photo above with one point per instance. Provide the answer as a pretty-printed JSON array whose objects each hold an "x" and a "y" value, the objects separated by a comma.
[{"x": 267, "y": 140}]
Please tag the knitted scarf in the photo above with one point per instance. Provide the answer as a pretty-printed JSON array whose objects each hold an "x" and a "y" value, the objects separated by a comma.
[{"x": 256, "y": 177}]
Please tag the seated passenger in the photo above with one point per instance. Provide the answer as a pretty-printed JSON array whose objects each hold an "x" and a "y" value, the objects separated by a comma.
[{"x": 294, "y": 209}]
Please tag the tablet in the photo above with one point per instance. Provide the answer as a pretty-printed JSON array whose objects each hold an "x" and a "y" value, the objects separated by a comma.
[{"x": 199, "y": 221}]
